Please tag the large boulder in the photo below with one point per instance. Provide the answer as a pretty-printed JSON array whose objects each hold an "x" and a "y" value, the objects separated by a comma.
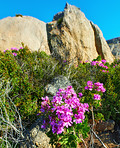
[
  {"x": 26, "y": 29},
  {"x": 72, "y": 36}
]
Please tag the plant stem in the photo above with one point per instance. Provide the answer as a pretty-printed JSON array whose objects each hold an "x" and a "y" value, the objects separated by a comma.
[{"x": 93, "y": 116}]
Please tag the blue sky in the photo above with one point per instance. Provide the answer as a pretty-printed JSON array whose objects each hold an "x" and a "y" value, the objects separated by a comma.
[{"x": 104, "y": 13}]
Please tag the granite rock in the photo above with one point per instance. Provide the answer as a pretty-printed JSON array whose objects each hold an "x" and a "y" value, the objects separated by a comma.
[
  {"x": 26, "y": 29},
  {"x": 73, "y": 37}
]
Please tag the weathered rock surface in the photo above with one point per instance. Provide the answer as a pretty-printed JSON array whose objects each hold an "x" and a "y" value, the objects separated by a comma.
[
  {"x": 26, "y": 29},
  {"x": 105, "y": 126},
  {"x": 56, "y": 84},
  {"x": 114, "y": 45},
  {"x": 72, "y": 36},
  {"x": 114, "y": 40},
  {"x": 101, "y": 44},
  {"x": 36, "y": 136}
]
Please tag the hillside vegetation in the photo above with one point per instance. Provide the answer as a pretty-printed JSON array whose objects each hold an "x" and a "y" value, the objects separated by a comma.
[{"x": 24, "y": 75}]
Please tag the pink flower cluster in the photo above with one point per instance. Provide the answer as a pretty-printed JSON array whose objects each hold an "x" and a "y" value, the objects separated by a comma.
[
  {"x": 80, "y": 95},
  {"x": 94, "y": 63},
  {"x": 96, "y": 97},
  {"x": 15, "y": 54},
  {"x": 64, "y": 110},
  {"x": 97, "y": 87},
  {"x": 100, "y": 64},
  {"x": 105, "y": 71},
  {"x": 14, "y": 49},
  {"x": 103, "y": 61},
  {"x": 89, "y": 85}
]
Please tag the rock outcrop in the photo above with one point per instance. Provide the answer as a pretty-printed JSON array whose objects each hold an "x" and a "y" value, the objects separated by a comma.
[
  {"x": 101, "y": 44},
  {"x": 72, "y": 36},
  {"x": 26, "y": 29},
  {"x": 114, "y": 45}
]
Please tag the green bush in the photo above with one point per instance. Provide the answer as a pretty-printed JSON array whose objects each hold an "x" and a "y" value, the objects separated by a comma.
[
  {"x": 11, "y": 68},
  {"x": 29, "y": 72},
  {"x": 110, "y": 104},
  {"x": 59, "y": 21},
  {"x": 19, "y": 15}
]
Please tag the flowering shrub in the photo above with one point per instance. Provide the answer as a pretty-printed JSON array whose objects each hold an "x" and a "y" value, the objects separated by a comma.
[
  {"x": 66, "y": 111},
  {"x": 67, "y": 107},
  {"x": 110, "y": 102},
  {"x": 29, "y": 72},
  {"x": 67, "y": 115},
  {"x": 13, "y": 50},
  {"x": 100, "y": 64},
  {"x": 92, "y": 93}
]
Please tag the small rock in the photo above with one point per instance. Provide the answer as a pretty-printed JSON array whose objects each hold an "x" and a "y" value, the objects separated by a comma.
[
  {"x": 105, "y": 126},
  {"x": 56, "y": 84},
  {"x": 37, "y": 136}
]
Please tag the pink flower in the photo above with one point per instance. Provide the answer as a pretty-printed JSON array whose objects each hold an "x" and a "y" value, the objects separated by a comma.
[
  {"x": 57, "y": 100},
  {"x": 5, "y": 50},
  {"x": 86, "y": 106},
  {"x": 101, "y": 65},
  {"x": 103, "y": 71},
  {"x": 106, "y": 67},
  {"x": 15, "y": 54},
  {"x": 21, "y": 48},
  {"x": 93, "y": 63},
  {"x": 80, "y": 95},
  {"x": 89, "y": 85},
  {"x": 103, "y": 60},
  {"x": 45, "y": 99},
  {"x": 99, "y": 87},
  {"x": 79, "y": 118},
  {"x": 14, "y": 48},
  {"x": 96, "y": 97}
]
